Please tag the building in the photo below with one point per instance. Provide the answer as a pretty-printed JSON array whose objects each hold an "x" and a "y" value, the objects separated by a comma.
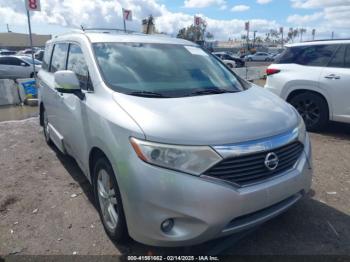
[{"x": 17, "y": 41}]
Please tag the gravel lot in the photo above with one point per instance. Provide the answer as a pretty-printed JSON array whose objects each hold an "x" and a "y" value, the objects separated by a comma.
[{"x": 46, "y": 204}]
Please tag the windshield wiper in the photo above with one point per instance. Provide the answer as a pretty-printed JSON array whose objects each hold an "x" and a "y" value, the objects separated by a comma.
[
  {"x": 147, "y": 94},
  {"x": 212, "y": 91}
]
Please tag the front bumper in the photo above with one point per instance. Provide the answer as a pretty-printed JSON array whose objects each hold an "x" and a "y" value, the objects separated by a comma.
[{"x": 202, "y": 209}]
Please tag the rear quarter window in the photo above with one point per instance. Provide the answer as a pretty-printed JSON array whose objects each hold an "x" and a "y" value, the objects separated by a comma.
[{"x": 314, "y": 55}]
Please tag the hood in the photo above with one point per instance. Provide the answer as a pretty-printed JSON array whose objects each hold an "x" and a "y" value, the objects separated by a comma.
[{"x": 211, "y": 119}]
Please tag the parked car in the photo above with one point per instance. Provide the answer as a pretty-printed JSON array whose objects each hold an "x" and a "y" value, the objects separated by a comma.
[
  {"x": 228, "y": 58},
  {"x": 7, "y": 53},
  {"x": 230, "y": 63},
  {"x": 26, "y": 52},
  {"x": 314, "y": 77},
  {"x": 39, "y": 55},
  {"x": 259, "y": 56},
  {"x": 177, "y": 148},
  {"x": 12, "y": 67}
]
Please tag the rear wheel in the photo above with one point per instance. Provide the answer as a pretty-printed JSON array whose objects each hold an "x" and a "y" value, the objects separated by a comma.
[
  {"x": 46, "y": 127},
  {"x": 313, "y": 109},
  {"x": 230, "y": 65},
  {"x": 109, "y": 200}
]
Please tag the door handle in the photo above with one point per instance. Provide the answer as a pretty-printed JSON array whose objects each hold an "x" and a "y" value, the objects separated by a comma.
[{"x": 332, "y": 76}]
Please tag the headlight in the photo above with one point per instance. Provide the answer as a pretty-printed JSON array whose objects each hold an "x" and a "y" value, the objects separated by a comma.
[
  {"x": 189, "y": 159},
  {"x": 301, "y": 128}
]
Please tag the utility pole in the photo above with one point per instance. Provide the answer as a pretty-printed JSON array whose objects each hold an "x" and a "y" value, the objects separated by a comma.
[
  {"x": 254, "y": 38},
  {"x": 332, "y": 35},
  {"x": 31, "y": 42},
  {"x": 8, "y": 28},
  {"x": 282, "y": 32},
  {"x": 247, "y": 27}
]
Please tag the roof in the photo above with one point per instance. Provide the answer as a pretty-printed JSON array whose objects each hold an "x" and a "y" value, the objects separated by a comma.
[
  {"x": 321, "y": 42},
  {"x": 110, "y": 37}
]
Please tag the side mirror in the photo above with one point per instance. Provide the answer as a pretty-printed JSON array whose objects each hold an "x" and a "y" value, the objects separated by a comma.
[
  {"x": 67, "y": 82},
  {"x": 24, "y": 64}
]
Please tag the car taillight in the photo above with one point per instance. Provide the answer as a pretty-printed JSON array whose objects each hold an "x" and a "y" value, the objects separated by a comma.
[{"x": 271, "y": 71}]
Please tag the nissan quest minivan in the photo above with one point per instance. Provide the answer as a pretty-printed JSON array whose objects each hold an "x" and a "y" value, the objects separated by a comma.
[{"x": 179, "y": 150}]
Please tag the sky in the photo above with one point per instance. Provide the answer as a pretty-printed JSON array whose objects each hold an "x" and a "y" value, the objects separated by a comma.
[{"x": 225, "y": 18}]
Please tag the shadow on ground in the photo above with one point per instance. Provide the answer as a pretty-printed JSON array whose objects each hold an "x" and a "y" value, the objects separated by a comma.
[{"x": 337, "y": 130}]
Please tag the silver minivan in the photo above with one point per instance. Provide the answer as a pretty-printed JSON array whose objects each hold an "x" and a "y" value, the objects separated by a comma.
[{"x": 179, "y": 150}]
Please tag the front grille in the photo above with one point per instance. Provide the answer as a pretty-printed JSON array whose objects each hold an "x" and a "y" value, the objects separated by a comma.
[{"x": 251, "y": 169}]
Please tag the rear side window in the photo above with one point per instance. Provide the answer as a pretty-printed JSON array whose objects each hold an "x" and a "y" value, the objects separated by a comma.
[
  {"x": 59, "y": 57},
  {"x": 47, "y": 57},
  {"x": 338, "y": 59},
  {"x": 347, "y": 57},
  {"x": 10, "y": 61},
  {"x": 317, "y": 55},
  {"x": 77, "y": 64}
]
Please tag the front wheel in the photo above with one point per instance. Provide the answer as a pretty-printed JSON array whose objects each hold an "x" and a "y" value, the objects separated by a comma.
[
  {"x": 313, "y": 109},
  {"x": 109, "y": 200},
  {"x": 46, "y": 127}
]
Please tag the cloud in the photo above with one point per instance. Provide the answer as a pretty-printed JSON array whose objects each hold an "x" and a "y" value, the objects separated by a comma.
[
  {"x": 334, "y": 15},
  {"x": 306, "y": 19},
  {"x": 240, "y": 8},
  {"x": 263, "y": 2},
  {"x": 307, "y": 4},
  {"x": 203, "y": 3},
  {"x": 108, "y": 13}
]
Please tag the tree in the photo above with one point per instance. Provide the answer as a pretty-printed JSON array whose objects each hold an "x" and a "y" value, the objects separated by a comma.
[
  {"x": 191, "y": 33},
  {"x": 301, "y": 32},
  {"x": 194, "y": 33},
  {"x": 209, "y": 35}
]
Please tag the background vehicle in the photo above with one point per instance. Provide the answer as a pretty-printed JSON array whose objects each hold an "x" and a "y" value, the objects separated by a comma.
[
  {"x": 314, "y": 77},
  {"x": 27, "y": 52},
  {"x": 7, "y": 53},
  {"x": 17, "y": 67},
  {"x": 228, "y": 57},
  {"x": 124, "y": 105},
  {"x": 259, "y": 56},
  {"x": 39, "y": 55}
]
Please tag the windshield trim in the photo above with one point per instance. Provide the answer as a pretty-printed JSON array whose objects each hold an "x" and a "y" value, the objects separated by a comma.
[{"x": 245, "y": 85}]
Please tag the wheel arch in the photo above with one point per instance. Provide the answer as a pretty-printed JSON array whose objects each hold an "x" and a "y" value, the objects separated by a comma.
[
  {"x": 94, "y": 155},
  {"x": 41, "y": 115},
  {"x": 295, "y": 92}
]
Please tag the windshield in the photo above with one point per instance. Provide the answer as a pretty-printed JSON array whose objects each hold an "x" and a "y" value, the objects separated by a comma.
[
  {"x": 164, "y": 70},
  {"x": 30, "y": 60}
]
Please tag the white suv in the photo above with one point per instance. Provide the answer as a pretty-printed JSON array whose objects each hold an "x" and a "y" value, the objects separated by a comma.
[{"x": 314, "y": 77}]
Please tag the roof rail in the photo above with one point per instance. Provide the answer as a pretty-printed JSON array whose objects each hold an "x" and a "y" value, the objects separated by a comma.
[
  {"x": 323, "y": 40},
  {"x": 110, "y": 30},
  {"x": 77, "y": 31}
]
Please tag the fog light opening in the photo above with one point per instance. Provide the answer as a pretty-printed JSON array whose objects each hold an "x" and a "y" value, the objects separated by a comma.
[{"x": 167, "y": 225}]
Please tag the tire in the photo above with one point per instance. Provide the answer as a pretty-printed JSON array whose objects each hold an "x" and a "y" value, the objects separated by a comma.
[
  {"x": 313, "y": 109},
  {"x": 230, "y": 65},
  {"x": 250, "y": 60},
  {"x": 109, "y": 204},
  {"x": 46, "y": 129}
]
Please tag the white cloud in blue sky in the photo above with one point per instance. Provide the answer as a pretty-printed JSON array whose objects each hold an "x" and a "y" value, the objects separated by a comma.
[{"x": 58, "y": 15}]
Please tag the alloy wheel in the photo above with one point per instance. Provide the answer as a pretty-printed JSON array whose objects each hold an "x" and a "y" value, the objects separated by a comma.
[
  {"x": 309, "y": 111},
  {"x": 107, "y": 200},
  {"x": 46, "y": 127}
]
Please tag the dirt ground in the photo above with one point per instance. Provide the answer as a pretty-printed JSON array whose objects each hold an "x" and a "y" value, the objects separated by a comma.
[{"x": 46, "y": 204}]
